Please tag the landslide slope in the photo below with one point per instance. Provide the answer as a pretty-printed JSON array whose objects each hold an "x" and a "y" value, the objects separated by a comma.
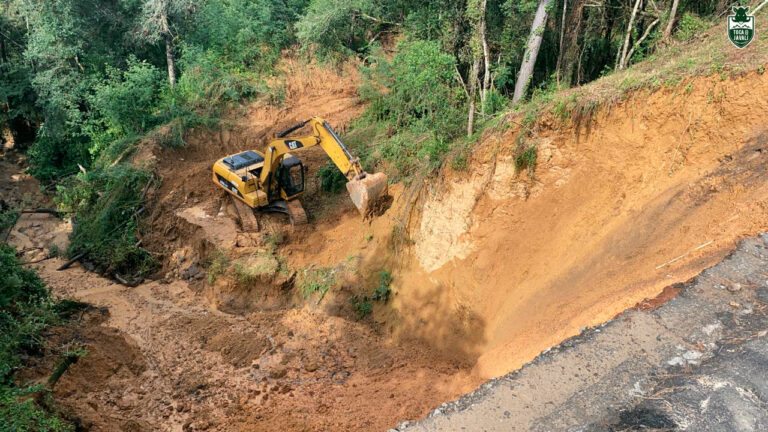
[{"x": 632, "y": 198}]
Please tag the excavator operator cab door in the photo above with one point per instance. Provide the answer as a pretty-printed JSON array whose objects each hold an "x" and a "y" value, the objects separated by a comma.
[{"x": 290, "y": 177}]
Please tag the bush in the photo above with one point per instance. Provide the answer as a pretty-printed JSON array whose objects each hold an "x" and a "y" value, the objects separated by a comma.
[
  {"x": 106, "y": 202},
  {"x": 426, "y": 122},
  {"x": 25, "y": 311},
  {"x": 381, "y": 293},
  {"x": 18, "y": 412},
  {"x": 127, "y": 101},
  {"x": 399, "y": 89},
  {"x": 331, "y": 179},
  {"x": 689, "y": 26},
  {"x": 362, "y": 305}
]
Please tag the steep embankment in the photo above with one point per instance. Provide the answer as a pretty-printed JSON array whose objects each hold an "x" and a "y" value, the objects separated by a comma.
[{"x": 645, "y": 194}]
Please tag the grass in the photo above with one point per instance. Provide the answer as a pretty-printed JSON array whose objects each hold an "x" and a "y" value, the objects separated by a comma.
[
  {"x": 526, "y": 159},
  {"x": 256, "y": 267},
  {"x": 363, "y": 304},
  {"x": 316, "y": 281},
  {"x": 218, "y": 263}
]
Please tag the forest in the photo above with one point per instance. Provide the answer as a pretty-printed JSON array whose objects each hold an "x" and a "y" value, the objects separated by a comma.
[{"x": 84, "y": 82}]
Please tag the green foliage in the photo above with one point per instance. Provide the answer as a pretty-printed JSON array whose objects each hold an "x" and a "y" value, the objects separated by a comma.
[
  {"x": 218, "y": 263},
  {"x": 106, "y": 202},
  {"x": 331, "y": 179},
  {"x": 337, "y": 28},
  {"x": 381, "y": 293},
  {"x": 19, "y": 412},
  {"x": 8, "y": 218},
  {"x": 689, "y": 26},
  {"x": 126, "y": 101},
  {"x": 426, "y": 122},
  {"x": 362, "y": 306},
  {"x": 25, "y": 311},
  {"x": 526, "y": 159},
  {"x": 400, "y": 86},
  {"x": 316, "y": 281}
]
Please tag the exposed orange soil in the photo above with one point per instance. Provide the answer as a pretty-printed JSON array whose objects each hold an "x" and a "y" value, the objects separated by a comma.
[
  {"x": 519, "y": 265},
  {"x": 494, "y": 267},
  {"x": 191, "y": 354}
]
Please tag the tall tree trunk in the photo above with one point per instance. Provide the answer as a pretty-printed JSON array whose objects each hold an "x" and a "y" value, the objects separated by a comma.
[
  {"x": 562, "y": 37},
  {"x": 486, "y": 60},
  {"x": 3, "y": 53},
  {"x": 472, "y": 95},
  {"x": 531, "y": 50},
  {"x": 671, "y": 22},
  {"x": 642, "y": 38},
  {"x": 622, "y": 59},
  {"x": 171, "y": 61},
  {"x": 571, "y": 48}
]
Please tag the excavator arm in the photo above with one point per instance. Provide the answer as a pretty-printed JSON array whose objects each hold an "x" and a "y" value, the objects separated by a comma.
[{"x": 364, "y": 189}]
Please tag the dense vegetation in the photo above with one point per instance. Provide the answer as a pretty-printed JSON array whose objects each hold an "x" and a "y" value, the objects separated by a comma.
[
  {"x": 83, "y": 81},
  {"x": 25, "y": 310}
]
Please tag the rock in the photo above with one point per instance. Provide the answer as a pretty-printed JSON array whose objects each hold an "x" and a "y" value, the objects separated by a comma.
[
  {"x": 676, "y": 361},
  {"x": 762, "y": 294},
  {"x": 191, "y": 271},
  {"x": 278, "y": 372},
  {"x": 311, "y": 366},
  {"x": 734, "y": 287},
  {"x": 692, "y": 355}
]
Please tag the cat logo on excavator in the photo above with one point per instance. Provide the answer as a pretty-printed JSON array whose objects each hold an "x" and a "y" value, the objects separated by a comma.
[{"x": 274, "y": 180}]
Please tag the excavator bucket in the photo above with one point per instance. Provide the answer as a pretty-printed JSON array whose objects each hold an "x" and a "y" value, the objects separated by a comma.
[{"x": 367, "y": 191}]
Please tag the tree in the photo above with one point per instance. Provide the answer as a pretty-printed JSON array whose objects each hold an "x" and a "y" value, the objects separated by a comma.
[
  {"x": 157, "y": 24},
  {"x": 531, "y": 50},
  {"x": 671, "y": 22},
  {"x": 621, "y": 57},
  {"x": 479, "y": 52}
]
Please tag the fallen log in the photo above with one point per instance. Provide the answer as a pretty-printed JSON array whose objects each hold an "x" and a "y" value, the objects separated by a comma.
[
  {"x": 42, "y": 210},
  {"x": 132, "y": 283},
  {"x": 36, "y": 261},
  {"x": 71, "y": 261}
]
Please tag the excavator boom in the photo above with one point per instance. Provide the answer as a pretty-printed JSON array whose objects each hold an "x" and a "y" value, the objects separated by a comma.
[{"x": 364, "y": 189}]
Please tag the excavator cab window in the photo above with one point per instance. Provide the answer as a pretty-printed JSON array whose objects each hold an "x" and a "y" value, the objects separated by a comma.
[{"x": 290, "y": 176}]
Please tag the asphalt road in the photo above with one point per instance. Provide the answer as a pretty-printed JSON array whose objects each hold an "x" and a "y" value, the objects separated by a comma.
[{"x": 699, "y": 362}]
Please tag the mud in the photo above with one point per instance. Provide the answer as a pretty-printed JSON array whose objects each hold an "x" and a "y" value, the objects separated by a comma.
[{"x": 489, "y": 266}]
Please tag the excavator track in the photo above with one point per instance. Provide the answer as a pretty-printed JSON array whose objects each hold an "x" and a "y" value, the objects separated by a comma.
[
  {"x": 296, "y": 212},
  {"x": 247, "y": 218}
]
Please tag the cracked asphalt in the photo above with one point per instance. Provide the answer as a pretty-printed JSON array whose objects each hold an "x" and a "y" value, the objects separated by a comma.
[{"x": 699, "y": 362}]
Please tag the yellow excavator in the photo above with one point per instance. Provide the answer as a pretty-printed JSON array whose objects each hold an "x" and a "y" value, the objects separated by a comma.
[{"x": 274, "y": 180}]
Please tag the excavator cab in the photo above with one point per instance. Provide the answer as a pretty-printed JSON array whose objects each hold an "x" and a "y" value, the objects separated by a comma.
[{"x": 290, "y": 177}]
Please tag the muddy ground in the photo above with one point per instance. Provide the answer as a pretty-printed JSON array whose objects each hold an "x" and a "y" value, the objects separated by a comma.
[
  {"x": 489, "y": 266},
  {"x": 161, "y": 356}
]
